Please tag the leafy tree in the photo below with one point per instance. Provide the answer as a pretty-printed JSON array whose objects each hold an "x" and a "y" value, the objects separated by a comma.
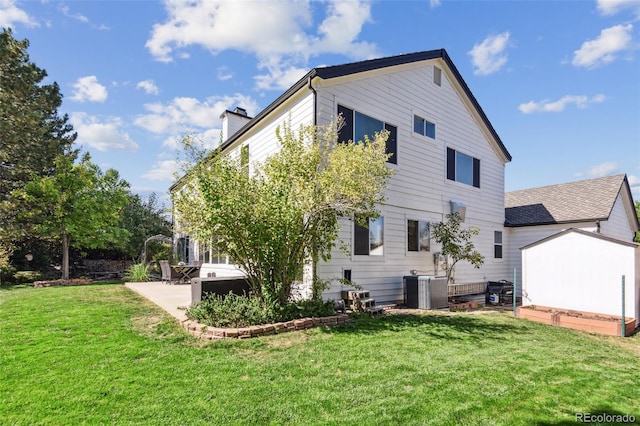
[
  {"x": 143, "y": 219},
  {"x": 78, "y": 204},
  {"x": 456, "y": 242},
  {"x": 287, "y": 211},
  {"x": 32, "y": 135}
]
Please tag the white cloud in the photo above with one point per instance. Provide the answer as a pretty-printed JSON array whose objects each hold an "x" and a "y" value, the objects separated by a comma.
[
  {"x": 434, "y": 3},
  {"x": 208, "y": 139},
  {"x": 80, "y": 17},
  {"x": 223, "y": 73},
  {"x": 185, "y": 114},
  {"x": 603, "y": 169},
  {"x": 278, "y": 76},
  {"x": 164, "y": 170},
  {"x": 612, "y": 7},
  {"x": 489, "y": 56},
  {"x": 103, "y": 136},
  {"x": 148, "y": 86},
  {"x": 559, "y": 105},
  {"x": 88, "y": 89},
  {"x": 10, "y": 15},
  {"x": 602, "y": 50},
  {"x": 279, "y": 33}
]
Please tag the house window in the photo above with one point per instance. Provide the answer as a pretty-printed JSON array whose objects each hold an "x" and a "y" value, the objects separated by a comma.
[
  {"x": 424, "y": 127},
  {"x": 418, "y": 235},
  {"x": 369, "y": 240},
  {"x": 497, "y": 244},
  {"x": 356, "y": 125},
  {"x": 437, "y": 75},
  {"x": 463, "y": 168},
  {"x": 244, "y": 156}
]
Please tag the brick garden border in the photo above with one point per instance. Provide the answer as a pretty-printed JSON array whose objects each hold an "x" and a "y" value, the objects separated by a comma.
[{"x": 205, "y": 332}]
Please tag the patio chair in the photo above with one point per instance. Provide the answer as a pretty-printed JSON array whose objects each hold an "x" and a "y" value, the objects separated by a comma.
[{"x": 169, "y": 275}]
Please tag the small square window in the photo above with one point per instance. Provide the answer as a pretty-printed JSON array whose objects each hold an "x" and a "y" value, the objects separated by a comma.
[{"x": 424, "y": 127}]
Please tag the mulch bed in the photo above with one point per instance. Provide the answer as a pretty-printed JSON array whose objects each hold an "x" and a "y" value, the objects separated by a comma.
[{"x": 56, "y": 283}]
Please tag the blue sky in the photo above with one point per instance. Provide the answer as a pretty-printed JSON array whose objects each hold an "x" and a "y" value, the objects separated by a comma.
[{"x": 559, "y": 80}]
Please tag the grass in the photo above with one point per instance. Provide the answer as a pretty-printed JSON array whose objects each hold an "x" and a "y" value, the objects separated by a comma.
[{"x": 101, "y": 354}]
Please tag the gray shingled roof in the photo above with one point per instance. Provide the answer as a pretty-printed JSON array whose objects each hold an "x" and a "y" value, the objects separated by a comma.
[{"x": 582, "y": 201}]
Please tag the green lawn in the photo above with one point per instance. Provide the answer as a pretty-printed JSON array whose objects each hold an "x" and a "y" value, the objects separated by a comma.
[{"x": 101, "y": 354}]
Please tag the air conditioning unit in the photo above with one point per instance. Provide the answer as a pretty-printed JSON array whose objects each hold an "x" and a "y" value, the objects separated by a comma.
[{"x": 425, "y": 292}]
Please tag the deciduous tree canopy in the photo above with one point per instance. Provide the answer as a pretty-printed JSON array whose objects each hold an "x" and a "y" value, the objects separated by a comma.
[{"x": 286, "y": 212}]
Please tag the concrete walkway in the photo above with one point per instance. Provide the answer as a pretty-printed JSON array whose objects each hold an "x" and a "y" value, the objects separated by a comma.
[{"x": 168, "y": 297}]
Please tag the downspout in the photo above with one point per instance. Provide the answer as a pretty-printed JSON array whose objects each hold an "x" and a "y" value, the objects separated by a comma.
[
  {"x": 315, "y": 102},
  {"x": 315, "y": 123}
]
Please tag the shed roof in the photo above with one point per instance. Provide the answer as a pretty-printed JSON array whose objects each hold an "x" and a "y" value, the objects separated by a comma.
[
  {"x": 581, "y": 201},
  {"x": 582, "y": 232}
]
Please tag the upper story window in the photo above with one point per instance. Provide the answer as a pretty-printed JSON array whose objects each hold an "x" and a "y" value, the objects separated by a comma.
[
  {"x": 424, "y": 127},
  {"x": 463, "y": 168},
  {"x": 369, "y": 240},
  {"x": 357, "y": 125},
  {"x": 244, "y": 156},
  {"x": 418, "y": 236}
]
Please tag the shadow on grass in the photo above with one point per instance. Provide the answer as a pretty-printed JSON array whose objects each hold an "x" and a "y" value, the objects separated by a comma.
[
  {"x": 8, "y": 287},
  {"x": 598, "y": 415},
  {"x": 463, "y": 327}
]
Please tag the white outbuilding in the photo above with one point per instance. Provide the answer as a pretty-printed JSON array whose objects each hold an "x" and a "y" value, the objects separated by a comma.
[{"x": 582, "y": 270}]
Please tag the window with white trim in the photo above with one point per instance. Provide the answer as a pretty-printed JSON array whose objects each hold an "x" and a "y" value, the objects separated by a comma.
[
  {"x": 497, "y": 244},
  {"x": 369, "y": 240},
  {"x": 418, "y": 236},
  {"x": 424, "y": 127},
  {"x": 463, "y": 168}
]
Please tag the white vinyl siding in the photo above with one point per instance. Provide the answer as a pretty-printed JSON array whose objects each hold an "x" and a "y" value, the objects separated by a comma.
[
  {"x": 419, "y": 188},
  {"x": 618, "y": 224}
]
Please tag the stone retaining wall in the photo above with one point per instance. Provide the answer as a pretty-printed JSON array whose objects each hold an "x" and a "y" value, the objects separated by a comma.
[{"x": 206, "y": 332}]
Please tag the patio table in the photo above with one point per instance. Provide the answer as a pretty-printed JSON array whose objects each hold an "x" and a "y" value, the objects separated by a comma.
[{"x": 186, "y": 272}]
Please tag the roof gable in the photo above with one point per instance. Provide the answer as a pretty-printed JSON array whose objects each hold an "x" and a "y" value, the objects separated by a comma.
[
  {"x": 335, "y": 71},
  {"x": 582, "y": 201},
  {"x": 585, "y": 233}
]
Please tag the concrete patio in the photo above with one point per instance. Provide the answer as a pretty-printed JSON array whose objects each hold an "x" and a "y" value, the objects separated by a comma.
[{"x": 168, "y": 297}]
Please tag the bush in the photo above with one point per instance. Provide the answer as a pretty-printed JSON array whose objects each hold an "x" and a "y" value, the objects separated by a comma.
[
  {"x": 24, "y": 277},
  {"x": 138, "y": 272},
  {"x": 307, "y": 308},
  {"x": 230, "y": 311},
  {"x": 241, "y": 311}
]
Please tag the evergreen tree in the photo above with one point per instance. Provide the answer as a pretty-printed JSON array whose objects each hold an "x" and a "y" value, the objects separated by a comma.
[{"x": 32, "y": 134}]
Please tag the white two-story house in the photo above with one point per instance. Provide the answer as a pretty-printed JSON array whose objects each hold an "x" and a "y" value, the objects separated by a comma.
[{"x": 446, "y": 154}]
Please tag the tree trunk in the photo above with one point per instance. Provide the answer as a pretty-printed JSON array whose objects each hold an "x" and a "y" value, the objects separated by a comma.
[{"x": 65, "y": 255}]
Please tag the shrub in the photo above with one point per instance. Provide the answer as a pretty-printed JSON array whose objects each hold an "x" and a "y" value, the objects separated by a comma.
[
  {"x": 230, "y": 310},
  {"x": 241, "y": 311},
  {"x": 23, "y": 277},
  {"x": 138, "y": 272},
  {"x": 307, "y": 308}
]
